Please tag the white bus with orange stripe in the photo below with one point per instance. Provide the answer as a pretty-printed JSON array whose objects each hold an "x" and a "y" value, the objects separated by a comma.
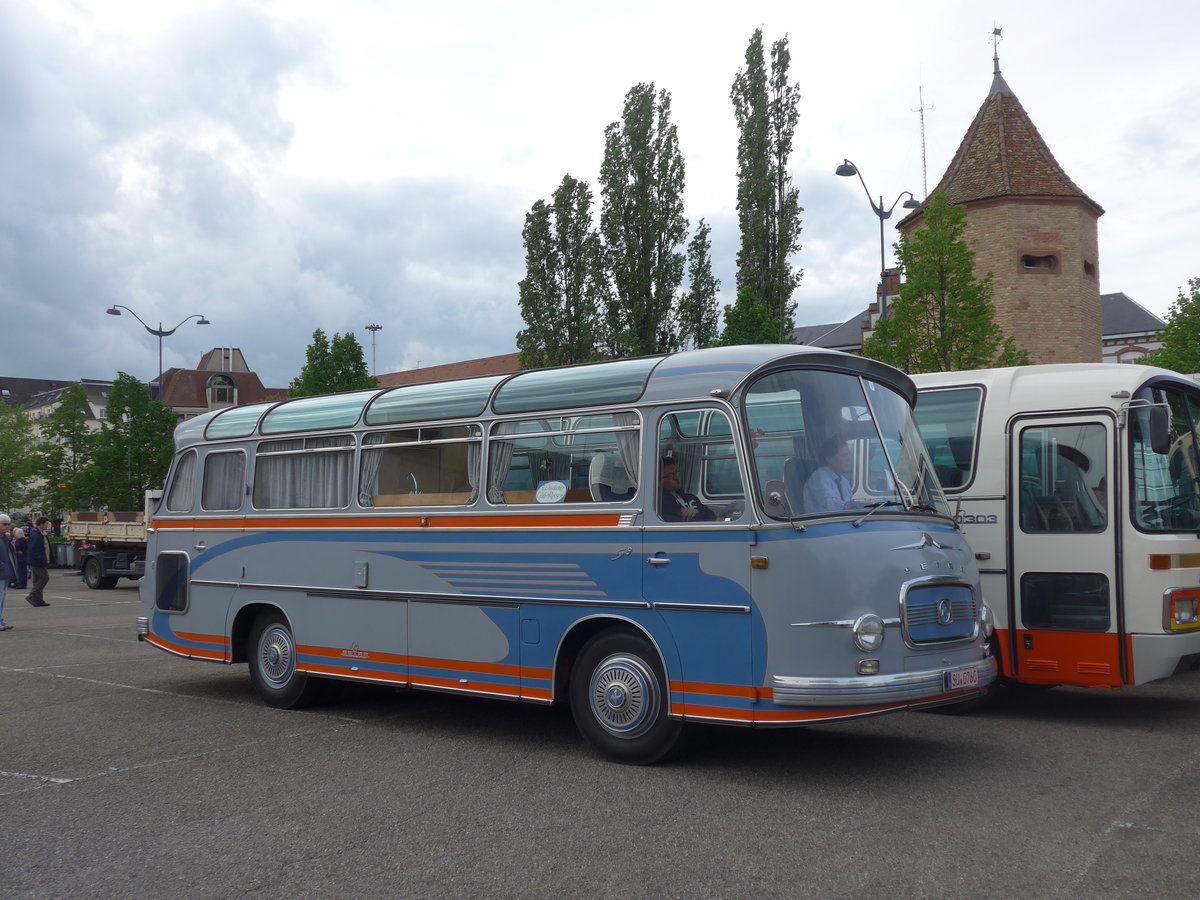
[
  {"x": 1077, "y": 487},
  {"x": 514, "y": 537}
]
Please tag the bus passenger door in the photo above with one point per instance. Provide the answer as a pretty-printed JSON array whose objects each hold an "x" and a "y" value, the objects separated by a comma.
[
  {"x": 1065, "y": 617},
  {"x": 696, "y": 570}
]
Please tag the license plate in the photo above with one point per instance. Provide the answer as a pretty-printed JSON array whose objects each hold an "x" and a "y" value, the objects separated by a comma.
[{"x": 961, "y": 679}]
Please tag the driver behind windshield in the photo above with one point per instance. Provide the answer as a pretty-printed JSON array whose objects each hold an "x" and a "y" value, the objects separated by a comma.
[{"x": 827, "y": 487}]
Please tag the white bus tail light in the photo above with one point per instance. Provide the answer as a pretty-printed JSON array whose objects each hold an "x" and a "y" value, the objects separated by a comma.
[{"x": 1182, "y": 609}]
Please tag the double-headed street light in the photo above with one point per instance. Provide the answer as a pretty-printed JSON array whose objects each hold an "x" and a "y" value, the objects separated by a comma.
[
  {"x": 159, "y": 332},
  {"x": 848, "y": 168}
]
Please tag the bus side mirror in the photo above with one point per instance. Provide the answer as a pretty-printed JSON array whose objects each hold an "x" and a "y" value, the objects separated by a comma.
[{"x": 1160, "y": 436}]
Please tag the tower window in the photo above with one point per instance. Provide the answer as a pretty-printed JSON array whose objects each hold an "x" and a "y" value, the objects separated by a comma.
[
  {"x": 1046, "y": 264},
  {"x": 1089, "y": 269}
]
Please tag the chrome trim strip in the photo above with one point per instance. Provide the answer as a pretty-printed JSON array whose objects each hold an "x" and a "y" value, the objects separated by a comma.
[
  {"x": 907, "y": 687},
  {"x": 842, "y": 623},
  {"x": 702, "y": 607},
  {"x": 510, "y": 601}
]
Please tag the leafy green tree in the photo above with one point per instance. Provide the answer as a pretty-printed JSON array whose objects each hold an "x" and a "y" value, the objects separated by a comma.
[
  {"x": 563, "y": 287},
  {"x": 642, "y": 224},
  {"x": 332, "y": 366},
  {"x": 944, "y": 319},
  {"x": 66, "y": 451},
  {"x": 132, "y": 451},
  {"x": 18, "y": 458},
  {"x": 698, "y": 317},
  {"x": 766, "y": 108},
  {"x": 1181, "y": 336}
]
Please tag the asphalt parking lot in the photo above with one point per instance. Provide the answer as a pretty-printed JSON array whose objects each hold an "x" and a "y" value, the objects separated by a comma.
[{"x": 125, "y": 772}]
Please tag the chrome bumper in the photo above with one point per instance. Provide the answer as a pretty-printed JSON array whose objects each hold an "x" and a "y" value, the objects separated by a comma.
[
  {"x": 873, "y": 690},
  {"x": 143, "y": 627}
]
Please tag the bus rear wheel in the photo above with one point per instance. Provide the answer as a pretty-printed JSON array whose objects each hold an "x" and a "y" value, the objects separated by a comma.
[
  {"x": 619, "y": 699},
  {"x": 94, "y": 579},
  {"x": 272, "y": 655}
]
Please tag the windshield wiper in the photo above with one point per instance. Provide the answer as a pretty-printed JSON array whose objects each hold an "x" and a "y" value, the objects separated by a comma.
[{"x": 872, "y": 508}]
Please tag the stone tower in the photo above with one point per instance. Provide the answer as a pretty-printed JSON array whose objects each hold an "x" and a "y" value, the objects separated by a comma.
[{"x": 1031, "y": 227}]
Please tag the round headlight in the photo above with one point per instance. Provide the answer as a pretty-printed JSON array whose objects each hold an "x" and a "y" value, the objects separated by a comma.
[
  {"x": 987, "y": 621},
  {"x": 868, "y": 633}
]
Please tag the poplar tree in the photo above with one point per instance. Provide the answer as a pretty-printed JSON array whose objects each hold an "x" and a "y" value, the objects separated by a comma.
[
  {"x": 642, "y": 225},
  {"x": 944, "y": 319},
  {"x": 331, "y": 366},
  {"x": 698, "y": 318},
  {"x": 766, "y": 109},
  {"x": 1181, "y": 335},
  {"x": 560, "y": 295}
]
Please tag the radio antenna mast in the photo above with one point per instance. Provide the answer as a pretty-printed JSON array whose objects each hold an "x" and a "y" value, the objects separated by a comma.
[{"x": 921, "y": 107}]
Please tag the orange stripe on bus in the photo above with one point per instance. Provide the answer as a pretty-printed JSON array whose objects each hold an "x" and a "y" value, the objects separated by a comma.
[
  {"x": 776, "y": 716},
  {"x": 721, "y": 690},
  {"x": 203, "y": 638},
  {"x": 192, "y": 652},
  {"x": 1161, "y": 561}
]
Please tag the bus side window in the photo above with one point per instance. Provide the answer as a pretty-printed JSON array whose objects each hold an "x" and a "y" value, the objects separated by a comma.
[
  {"x": 420, "y": 467},
  {"x": 182, "y": 493},
  {"x": 698, "y": 448},
  {"x": 224, "y": 481}
]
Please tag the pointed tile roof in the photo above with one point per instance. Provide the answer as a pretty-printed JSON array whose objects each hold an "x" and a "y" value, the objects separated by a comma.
[{"x": 1003, "y": 155}]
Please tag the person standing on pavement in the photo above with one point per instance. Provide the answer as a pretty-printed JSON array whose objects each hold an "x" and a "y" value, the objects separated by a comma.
[
  {"x": 8, "y": 566},
  {"x": 39, "y": 561},
  {"x": 19, "y": 545}
]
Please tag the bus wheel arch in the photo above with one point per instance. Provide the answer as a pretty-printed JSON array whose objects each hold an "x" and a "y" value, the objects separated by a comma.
[
  {"x": 620, "y": 697},
  {"x": 271, "y": 652}
]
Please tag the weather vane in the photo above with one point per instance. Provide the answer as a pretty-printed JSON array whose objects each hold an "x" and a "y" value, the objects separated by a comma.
[{"x": 996, "y": 39}]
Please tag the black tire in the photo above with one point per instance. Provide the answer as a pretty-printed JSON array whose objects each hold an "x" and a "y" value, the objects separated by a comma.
[
  {"x": 93, "y": 578},
  {"x": 271, "y": 652},
  {"x": 619, "y": 699}
]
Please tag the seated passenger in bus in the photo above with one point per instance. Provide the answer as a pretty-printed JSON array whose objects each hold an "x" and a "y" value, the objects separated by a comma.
[
  {"x": 827, "y": 487},
  {"x": 675, "y": 505}
]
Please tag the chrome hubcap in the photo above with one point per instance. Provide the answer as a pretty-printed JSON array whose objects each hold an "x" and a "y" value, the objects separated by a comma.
[
  {"x": 276, "y": 656},
  {"x": 625, "y": 697}
]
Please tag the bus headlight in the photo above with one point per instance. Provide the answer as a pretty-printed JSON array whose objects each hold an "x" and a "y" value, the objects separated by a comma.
[
  {"x": 1181, "y": 609},
  {"x": 868, "y": 633},
  {"x": 987, "y": 621}
]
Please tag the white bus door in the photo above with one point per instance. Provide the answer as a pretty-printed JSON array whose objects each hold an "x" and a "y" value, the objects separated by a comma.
[{"x": 1065, "y": 622}]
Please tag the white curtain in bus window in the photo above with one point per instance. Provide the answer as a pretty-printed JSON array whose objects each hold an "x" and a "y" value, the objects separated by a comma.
[
  {"x": 183, "y": 484},
  {"x": 420, "y": 466},
  {"x": 1063, "y": 484},
  {"x": 304, "y": 473},
  {"x": 1166, "y": 486},
  {"x": 224, "y": 481}
]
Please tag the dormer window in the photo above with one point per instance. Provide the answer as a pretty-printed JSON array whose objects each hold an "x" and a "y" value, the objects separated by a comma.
[{"x": 221, "y": 390}]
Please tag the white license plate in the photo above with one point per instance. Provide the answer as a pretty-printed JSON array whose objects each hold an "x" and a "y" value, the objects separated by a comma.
[{"x": 961, "y": 679}]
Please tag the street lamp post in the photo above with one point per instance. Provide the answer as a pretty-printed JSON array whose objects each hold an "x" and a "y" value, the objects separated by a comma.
[
  {"x": 373, "y": 328},
  {"x": 848, "y": 169},
  {"x": 159, "y": 332}
]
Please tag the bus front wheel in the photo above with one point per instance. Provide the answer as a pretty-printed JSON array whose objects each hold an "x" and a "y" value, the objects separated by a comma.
[
  {"x": 619, "y": 699},
  {"x": 272, "y": 656}
]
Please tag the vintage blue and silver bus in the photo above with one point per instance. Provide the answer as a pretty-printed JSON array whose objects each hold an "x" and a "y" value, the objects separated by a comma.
[{"x": 642, "y": 539}]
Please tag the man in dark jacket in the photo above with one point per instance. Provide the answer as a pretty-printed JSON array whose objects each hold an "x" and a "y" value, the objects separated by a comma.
[{"x": 39, "y": 561}]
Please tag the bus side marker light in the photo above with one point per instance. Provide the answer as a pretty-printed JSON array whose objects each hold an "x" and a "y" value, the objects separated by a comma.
[
  {"x": 868, "y": 667},
  {"x": 758, "y": 562}
]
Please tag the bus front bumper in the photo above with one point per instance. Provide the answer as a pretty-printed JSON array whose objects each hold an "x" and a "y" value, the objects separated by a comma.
[{"x": 878, "y": 690}]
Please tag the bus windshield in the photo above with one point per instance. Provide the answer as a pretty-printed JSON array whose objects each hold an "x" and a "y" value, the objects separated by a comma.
[
  {"x": 1166, "y": 486},
  {"x": 825, "y": 441}
]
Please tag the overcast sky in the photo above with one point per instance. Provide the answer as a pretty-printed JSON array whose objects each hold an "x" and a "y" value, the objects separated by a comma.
[{"x": 281, "y": 167}]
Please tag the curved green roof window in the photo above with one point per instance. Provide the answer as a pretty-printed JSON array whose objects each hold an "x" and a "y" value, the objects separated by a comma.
[
  {"x": 313, "y": 413},
  {"x": 237, "y": 421},
  {"x": 441, "y": 400},
  {"x": 622, "y": 381}
]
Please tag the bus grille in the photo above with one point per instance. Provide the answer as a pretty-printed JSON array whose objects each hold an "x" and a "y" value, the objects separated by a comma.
[{"x": 940, "y": 613}]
